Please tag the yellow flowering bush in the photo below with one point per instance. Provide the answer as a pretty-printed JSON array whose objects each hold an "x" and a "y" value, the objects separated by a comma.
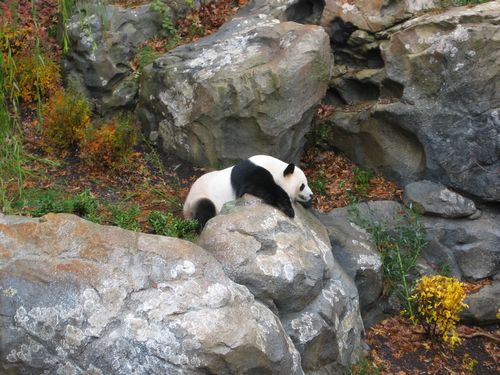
[{"x": 439, "y": 300}]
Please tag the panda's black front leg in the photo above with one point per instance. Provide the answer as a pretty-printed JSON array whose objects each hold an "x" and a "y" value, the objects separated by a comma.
[
  {"x": 285, "y": 205},
  {"x": 276, "y": 197}
]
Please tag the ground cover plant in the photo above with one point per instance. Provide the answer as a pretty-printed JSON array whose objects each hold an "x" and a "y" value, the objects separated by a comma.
[{"x": 56, "y": 157}]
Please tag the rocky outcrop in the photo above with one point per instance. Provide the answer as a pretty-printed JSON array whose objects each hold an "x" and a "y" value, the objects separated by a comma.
[
  {"x": 288, "y": 265},
  {"x": 370, "y": 15},
  {"x": 103, "y": 39},
  {"x": 80, "y": 298},
  {"x": 251, "y": 88},
  {"x": 428, "y": 105},
  {"x": 366, "y": 15}
]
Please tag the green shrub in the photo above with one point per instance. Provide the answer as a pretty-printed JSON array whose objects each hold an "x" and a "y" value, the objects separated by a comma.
[
  {"x": 167, "y": 22},
  {"x": 364, "y": 367},
  {"x": 318, "y": 185},
  {"x": 319, "y": 135},
  {"x": 12, "y": 154},
  {"x": 85, "y": 205},
  {"x": 39, "y": 202},
  {"x": 147, "y": 55},
  {"x": 12, "y": 158},
  {"x": 468, "y": 2},
  {"x": 399, "y": 247},
  {"x": 362, "y": 179}
]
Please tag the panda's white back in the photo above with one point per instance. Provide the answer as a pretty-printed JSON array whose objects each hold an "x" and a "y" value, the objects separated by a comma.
[
  {"x": 215, "y": 186},
  {"x": 273, "y": 165}
]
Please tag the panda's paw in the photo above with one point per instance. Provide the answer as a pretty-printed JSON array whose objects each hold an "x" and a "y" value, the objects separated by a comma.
[{"x": 289, "y": 211}]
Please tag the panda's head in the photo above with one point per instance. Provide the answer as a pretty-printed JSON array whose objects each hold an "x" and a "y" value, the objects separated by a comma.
[{"x": 295, "y": 184}]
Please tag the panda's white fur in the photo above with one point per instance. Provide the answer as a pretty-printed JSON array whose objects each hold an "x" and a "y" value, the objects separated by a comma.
[{"x": 216, "y": 186}]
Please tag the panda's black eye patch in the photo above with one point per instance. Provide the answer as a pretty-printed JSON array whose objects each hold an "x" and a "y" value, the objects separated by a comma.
[{"x": 302, "y": 187}]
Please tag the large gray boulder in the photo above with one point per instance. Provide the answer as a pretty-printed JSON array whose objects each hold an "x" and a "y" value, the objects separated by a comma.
[
  {"x": 430, "y": 108},
  {"x": 468, "y": 248},
  {"x": 103, "y": 40},
  {"x": 250, "y": 88},
  {"x": 288, "y": 265},
  {"x": 80, "y": 298}
]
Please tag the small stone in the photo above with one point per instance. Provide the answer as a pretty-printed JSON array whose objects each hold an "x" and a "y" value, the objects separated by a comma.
[
  {"x": 435, "y": 199},
  {"x": 475, "y": 215}
]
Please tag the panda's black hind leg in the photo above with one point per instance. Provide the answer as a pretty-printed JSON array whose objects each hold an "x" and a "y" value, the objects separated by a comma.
[{"x": 205, "y": 210}]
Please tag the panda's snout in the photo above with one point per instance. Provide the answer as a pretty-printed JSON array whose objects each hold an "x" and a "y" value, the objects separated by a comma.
[
  {"x": 306, "y": 202},
  {"x": 305, "y": 198}
]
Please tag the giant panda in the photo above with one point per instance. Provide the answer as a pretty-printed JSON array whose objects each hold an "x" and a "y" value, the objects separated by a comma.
[{"x": 272, "y": 180}]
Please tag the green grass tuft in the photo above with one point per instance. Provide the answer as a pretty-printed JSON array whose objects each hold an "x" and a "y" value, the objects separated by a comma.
[{"x": 166, "y": 224}]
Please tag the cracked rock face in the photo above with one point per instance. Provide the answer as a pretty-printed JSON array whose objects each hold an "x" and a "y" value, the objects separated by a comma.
[
  {"x": 428, "y": 106},
  {"x": 250, "y": 88},
  {"x": 80, "y": 298},
  {"x": 467, "y": 248},
  {"x": 288, "y": 265},
  {"x": 471, "y": 248},
  {"x": 372, "y": 15}
]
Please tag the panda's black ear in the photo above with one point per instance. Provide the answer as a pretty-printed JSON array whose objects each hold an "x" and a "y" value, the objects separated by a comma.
[{"x": 289, "y": 169}]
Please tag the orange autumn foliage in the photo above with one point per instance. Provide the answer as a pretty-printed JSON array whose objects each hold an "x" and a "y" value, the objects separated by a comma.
[
  {"x": 35, "y": 75},
  {"x": 66, "y": 116},
  {"x": 110, "y": 144},
  {"x": 32, "y": 75}
]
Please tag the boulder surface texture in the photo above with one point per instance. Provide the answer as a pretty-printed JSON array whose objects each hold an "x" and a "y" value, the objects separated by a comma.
[
  {"x": 251, "y": 88},
  {"x": 80, "y": 298}
]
